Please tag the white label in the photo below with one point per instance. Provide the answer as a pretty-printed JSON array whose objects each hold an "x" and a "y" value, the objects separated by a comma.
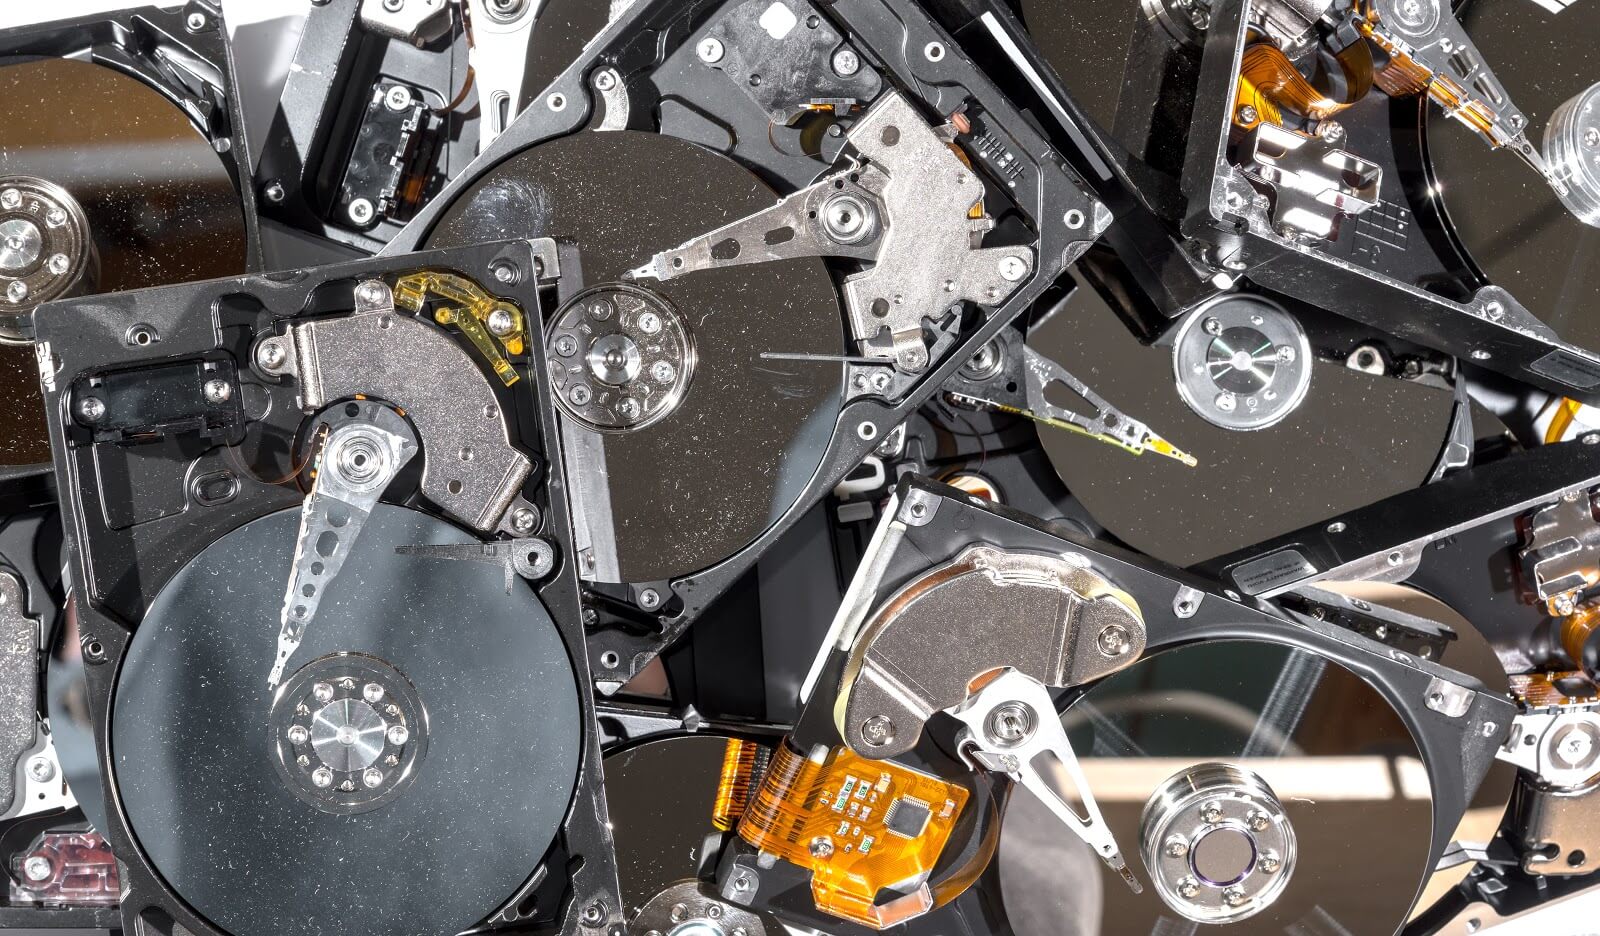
[{"x": 778, "y": 21}]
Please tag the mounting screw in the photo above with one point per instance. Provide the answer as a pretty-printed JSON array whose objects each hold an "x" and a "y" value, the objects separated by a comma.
[
  {"x": 17, "y": 291},
  {"x": 398, "y": 735},
  {"x": 322, "y": 777},
  {"x": 846, "y": 62},
  {"x": 710, "y": 50},
  {"x": 41, "y": 769},
  {"x": 10, "y": 198},
  {"x": 1248, "y": 114},
  {"x": 361, "y": 211},
  {"x": 372, "y": 692},
  {"x": 394, "y": 6},
  {"x": 1591, "y": 137},
  {"x": 1114, "y": 640},
  {"x": 1331, "y": 132},
  {"x": 91, "y": 409},
  {"x": 37, "y": 868},
  {"x": 580, "y": 395},
  {"x": 594, "y": 914},
  {"x": 1234, "y": 897},
  {"x": 1177, "y": 847},
  {"x": 605, "y": 80},
  {"x": 1189, "y": 888},
  {"x": 1211, "y": 812},
  {"x": 1211, "y": 326},
  {"x": 649, "y": 323},
  {"x": 523, "y": 520},
  {"x": 217, "y": 391},
  {"x": 58, "y": 264},
  {"x": 1013, "y": 268},
  {"x": 298, "y": 734},
  {"x": 820, "y": 847},
  {"x": 196, "y": 21},
  {"x": 397, "y": 98},
  {"x": 322, "y": 692},
  {"x": 271, "y": 354},
  {"x": 371, "y": 777},
  {"x": 663, "y": 371},
  {"x": 877, "y": 730},
  {"x": 273, "y": 192},
  {"x": 501, "y": 323},
  {"x": 1258, "y": 820},
  {"x": 1269, "y": 863},
  {"x": 649, "y": 599},
  {"x": 1226, "y": 402}
]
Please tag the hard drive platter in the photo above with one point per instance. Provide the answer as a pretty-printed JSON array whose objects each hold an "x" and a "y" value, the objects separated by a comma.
[{"x": 742, "y": 467}]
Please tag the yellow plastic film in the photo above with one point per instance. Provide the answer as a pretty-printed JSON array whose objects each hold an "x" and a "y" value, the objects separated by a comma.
[{"x": 859, "y": 826}]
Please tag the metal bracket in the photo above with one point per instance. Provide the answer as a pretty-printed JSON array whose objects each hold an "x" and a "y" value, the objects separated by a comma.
[
  {"x": 1560, "y": 746},
  {"x": 1107, "y": 424},
  {"x": 409, "y": 20},
  {"x": 1426, "y": 35},
  {"x": 1312, "y": 183},
  {"x": 472, "y": 471},
  {"x": 1012, "y": 728},
  {"x": 1047, "y": 616},
  {"x": 1562, "y": 556},
  {"x": 501, "y": 35},
  {"x": 360, "y": 457},
  {"x": 905, "y": 206}
]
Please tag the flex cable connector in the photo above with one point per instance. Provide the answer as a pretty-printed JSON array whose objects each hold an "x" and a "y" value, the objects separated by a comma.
[
  {"x": 496, "y": 328},
  {"x": 859, "y": 826},
  {"x": 1108, "y": 424}
]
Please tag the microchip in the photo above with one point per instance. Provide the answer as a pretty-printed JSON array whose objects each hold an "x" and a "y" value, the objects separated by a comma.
[{"x": 907, "y": 817}]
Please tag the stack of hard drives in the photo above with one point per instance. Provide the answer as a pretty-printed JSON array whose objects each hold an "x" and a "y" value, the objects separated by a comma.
[{"x": 736, "y": 467}]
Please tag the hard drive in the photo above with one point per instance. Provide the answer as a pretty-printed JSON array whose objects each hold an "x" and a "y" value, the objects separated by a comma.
[
  {"x": 274, "y": 443},
  {"x": 785, "y": 260}
]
